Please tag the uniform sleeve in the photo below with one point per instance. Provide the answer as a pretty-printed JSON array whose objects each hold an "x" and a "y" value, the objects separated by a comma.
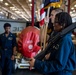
[
  {"x": 14, "y": 41},
  {"x": 60, "y": 61}
]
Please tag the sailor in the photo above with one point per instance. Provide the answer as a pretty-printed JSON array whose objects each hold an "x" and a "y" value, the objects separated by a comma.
[
  {"x": 8, "y": 49},
  {"x": 62, "y": 59}
]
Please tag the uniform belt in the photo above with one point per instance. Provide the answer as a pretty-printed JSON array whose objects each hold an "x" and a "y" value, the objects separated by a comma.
[{"x": 6, "y": 48}]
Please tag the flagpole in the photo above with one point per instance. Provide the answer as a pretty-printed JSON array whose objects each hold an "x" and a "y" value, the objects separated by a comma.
[
  {"x": 45, "y": 27},
  {"x": 42, "y": 16}
]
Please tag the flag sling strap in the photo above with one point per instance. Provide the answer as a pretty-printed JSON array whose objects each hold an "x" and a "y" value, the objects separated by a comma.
[{"x": 61, "y": 34}]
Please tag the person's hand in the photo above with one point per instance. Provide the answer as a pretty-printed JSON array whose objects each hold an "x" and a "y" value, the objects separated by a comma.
[
  {"x": 13, "y": 57},
  {"x": 46, "y": 19},
  {"x": 47, "y": 56},
  {"x": 31, "y": 62}
]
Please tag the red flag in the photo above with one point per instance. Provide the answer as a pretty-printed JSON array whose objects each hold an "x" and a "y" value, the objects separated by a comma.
[{"x": 42, "y": 15}]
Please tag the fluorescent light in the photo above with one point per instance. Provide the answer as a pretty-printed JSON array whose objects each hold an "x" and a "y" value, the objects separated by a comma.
[
  {"x": 73, "y": 11},
  {"x": 6, "y": 4},
  {"x": 30, "y": 4},
  {"x": 36, "y": 11},
  {"x": 29, "y": 0},
  {"x": 13, "y": 8},
  {"x": 70, "y": 12},
  {"x": 1, "y": 0},
  {"x": 17, "y": 12},
  {"x": 13, "y": 17},
  {"x": 1, "y": 12},
  {"x": 75, "y": 5},
  {"x": 72, "y": 8}
]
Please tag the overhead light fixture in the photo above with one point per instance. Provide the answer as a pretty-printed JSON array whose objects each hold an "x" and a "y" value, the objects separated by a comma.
[
  {"x": 6, "y": 4},
  {"x": 73, "y": 15},
  {"x": 1, "y": 12},
  {"x": 1, "y": 0},
  {"x": 30, "y": 4},
  {"x": 36, "y": 11},
  {"x": 29, "y": 0},
  {"x": 72, "y": 8},
  {"x": 73, "y": 11},
  {"x": 75, "y": 5},
  {"x": 13, "y": 17},
  {"x": 18, "y": 12},
  {"x": 70, "y": 12},
  {"x": 13, "y": 8}
]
